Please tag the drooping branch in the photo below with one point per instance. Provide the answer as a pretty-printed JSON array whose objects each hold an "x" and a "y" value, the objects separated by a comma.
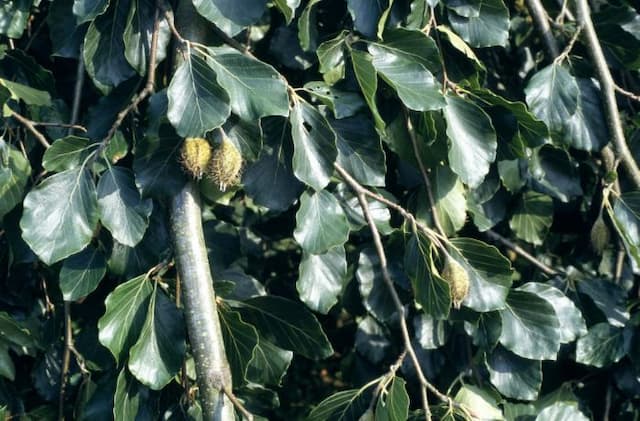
[
  {"x": 521, "y": 252},
  {"x": 541, "y": 19},
  {"x": 31, "y": 126},
  {"x": 608, "y": 89}
]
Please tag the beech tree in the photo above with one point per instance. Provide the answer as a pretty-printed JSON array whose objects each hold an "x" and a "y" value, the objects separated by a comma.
[{"x": 321, "y": 210}]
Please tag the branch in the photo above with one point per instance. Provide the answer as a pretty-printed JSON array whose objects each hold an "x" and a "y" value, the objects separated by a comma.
[
  {"x": 77, "y": 92},
  {"x": 626, "y": 93},
  {"x": 386, "y": 378},
  {"x": 541, "y": 19},
  {"x": 31, "y": 126},
  {"x": 607, "y": 87},
  {"x": 521, "y": 252},
  {"x": 66, "y": 357},
  {"x": 248, "y": 415},
  {"x": 361, "y": 194}
]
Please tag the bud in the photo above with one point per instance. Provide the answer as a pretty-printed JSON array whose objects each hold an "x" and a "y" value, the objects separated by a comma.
[
  {"x": 599, "y": 235},
  {"x": 458, "y": 280},
  {"x": 226, "y": 165},
  {"x": 195, "y": 155}
]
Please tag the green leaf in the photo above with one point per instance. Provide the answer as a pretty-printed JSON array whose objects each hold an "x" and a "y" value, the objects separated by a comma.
[
  {"x": 270, "y": 181},
  {"x": 314, "y": 145},
  {"x": 572, "y": 324},
  {"x": 158, "y": 354},
  {"x": 489, "y": 273},
  {"x": 7, "y": 368},
  {"x": 138, "y": 32},
  {"x": 486, "y": 26},
  {"x": 347, "y": 405},
  {"x": 415, "y": 85},
  {"x": 67, "y": 153},
  {"x": 449, "y": 197},
  {"x": 14, "y": 16},
  {"x": 472, "y": 140},
  {"x": 289, "y": 324},
  {"x": 331, "y": 57},
  {"x": 288, "y": 8},
  {"x": 552, "y": 95},
  {"x": 562, "y": 411},
  {"x": 625, "y": 215},
  {"x": 320, "y": 222},
  {"x": 322, "y": 278},
  {"x": 104, "y": 47},
  {"x": 375, "y": 293},
  {"x": 342, "y": 103},
  {"x": 429, "y": 332},
  {"x": 479, "y": 402},
  {"x": 14, "y": 175},
  {"x": 533, "y": 217},
  {"x": 587, "y": 129},
  {"x": 365, "y": 15},
  {"x": 197, "y": 104},
  {"x": 88, "y": 10},
  {"x": 156, "y": 165},
  {"x": 130, "y": 397},
  {"x": 368, "y": 81},
  {"x": 307, "y": 29},
  {"x": 239, "y": 12},
  {"x": 255, "y": 88},
  {"x": 513, "y": 376},
  {"x": 379, "y": 211},
  {"x": 608, "y": 297},
  {"x": 81, "y": 273},
  {"x": 602, "y": 346},
  {"x": 13, "y": 332},
  {"x": 555, "y": 173},
  {"x": 60, "y": 215},
  {"x": 359, "y": 150},
  {"x": 26, "y": 93},
  {"x": 121, "y": 209},
  {"x": 240, "y": 341},
  {"x": 486, "y": 331},
  {"x": 394, "y": 406},
  {"x": 431, "y": 292},
  {"x": 530, "y": 327},
  {"x": 124, "y": 316},
  {"x": 269, "y": 363}
]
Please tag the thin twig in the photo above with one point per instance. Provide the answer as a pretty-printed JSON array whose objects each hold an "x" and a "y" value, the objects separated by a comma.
[
  {"x": 148, "y": 88},
  {"x": 168, "y": 16},
  {"x": 63, "y": 125},
  {"x": 521, "y": 252},
  {"x": 234, "y": 400},
  {"x": 30, "y": 125},
  {"x": 425, "y": 177},
  {"x": 386, "y": 379},
  {"x": 361, "y": 194},
  {"x": 565, "y": 53},
  {"x": 607, "y": 87},
  {"x": 620, "y": 256},
  {"x": 541, "y": 19},
  {"x": 626, "y": 93},
  {"x": 607, "y": 403},
  {"x": 66, "y": 357},
  {"x": 77, "y": 92}
]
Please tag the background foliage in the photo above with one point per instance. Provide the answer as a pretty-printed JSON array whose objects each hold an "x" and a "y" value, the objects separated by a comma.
[{"x": 381, "y": 139}]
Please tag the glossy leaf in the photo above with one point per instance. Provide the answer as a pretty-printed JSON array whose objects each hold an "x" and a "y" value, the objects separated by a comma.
[
  {"x": 365, "y": 15},
  {"x": 602, "y": 346},
  {"x": 255, "y": 89},
  {"x": 60, "y": 215},
  {"x": 126, "y": 310},
  {"x": 158, "y": 353},
  {"x": 130, "y": 397},
  {"x": 289, "y": 324},
  {"x": 561, "y": 411},
  {"x": 530, "y": 327},
  {"x": 472, "y": 140},
  {"x": 489, "y": 273},
  {"x": 480, "y": 402},
  {"x": 450, "y": 201},
  {"x": 533, "y": 217},
  {"x": 138, "y": 33},
  {"x": 513, "y": 376},
  {"x": 14, "y": 175},
  {"x": 374, "y": 291},
  {"x": 121, "y": 209},
  {"x": 486, "y": 26},
  {"x": 240, "y": 341},
  {"x": 346, "y": 405},
  {"x": 625, "y": 215},
  {"x": 13, "y": 17},
  {"x": 368, "y": 81},
  {"x": 26, "y": 93},
  {"x": 322, "y": 278},
  {"x": 104, "y": 47},
  {"x": 239, "y": 12},
  {"x": 197, "y": 104},
  {"x": 87, "y": 10},
  {"x": 81, "y": 273},
  {"x": 608, "y": 297},
  {"x": 320, "y": 222},
  {"x": 394, "y": 406},
  {"x": 269, "y": 363},
  {"x": 67, "y": 153},
  {"x": 288, "y": 8},
  {"x": 314, "y": 146}
]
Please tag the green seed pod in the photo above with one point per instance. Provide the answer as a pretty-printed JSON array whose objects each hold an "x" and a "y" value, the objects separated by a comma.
[
  {"x": 195, "y": 156},
  {"x": 599, "y": 235},
  {"x": 226, "y": 165},
  {"x": 458, "y": 280}
]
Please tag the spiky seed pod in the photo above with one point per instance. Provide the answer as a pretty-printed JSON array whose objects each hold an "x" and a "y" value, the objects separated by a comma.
[
  {"x": 226, "y": 165},
  {"x": 458, "y": 280},
  {"x": 195, "y": 156},
  {"x": 599, "y": 235}
]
